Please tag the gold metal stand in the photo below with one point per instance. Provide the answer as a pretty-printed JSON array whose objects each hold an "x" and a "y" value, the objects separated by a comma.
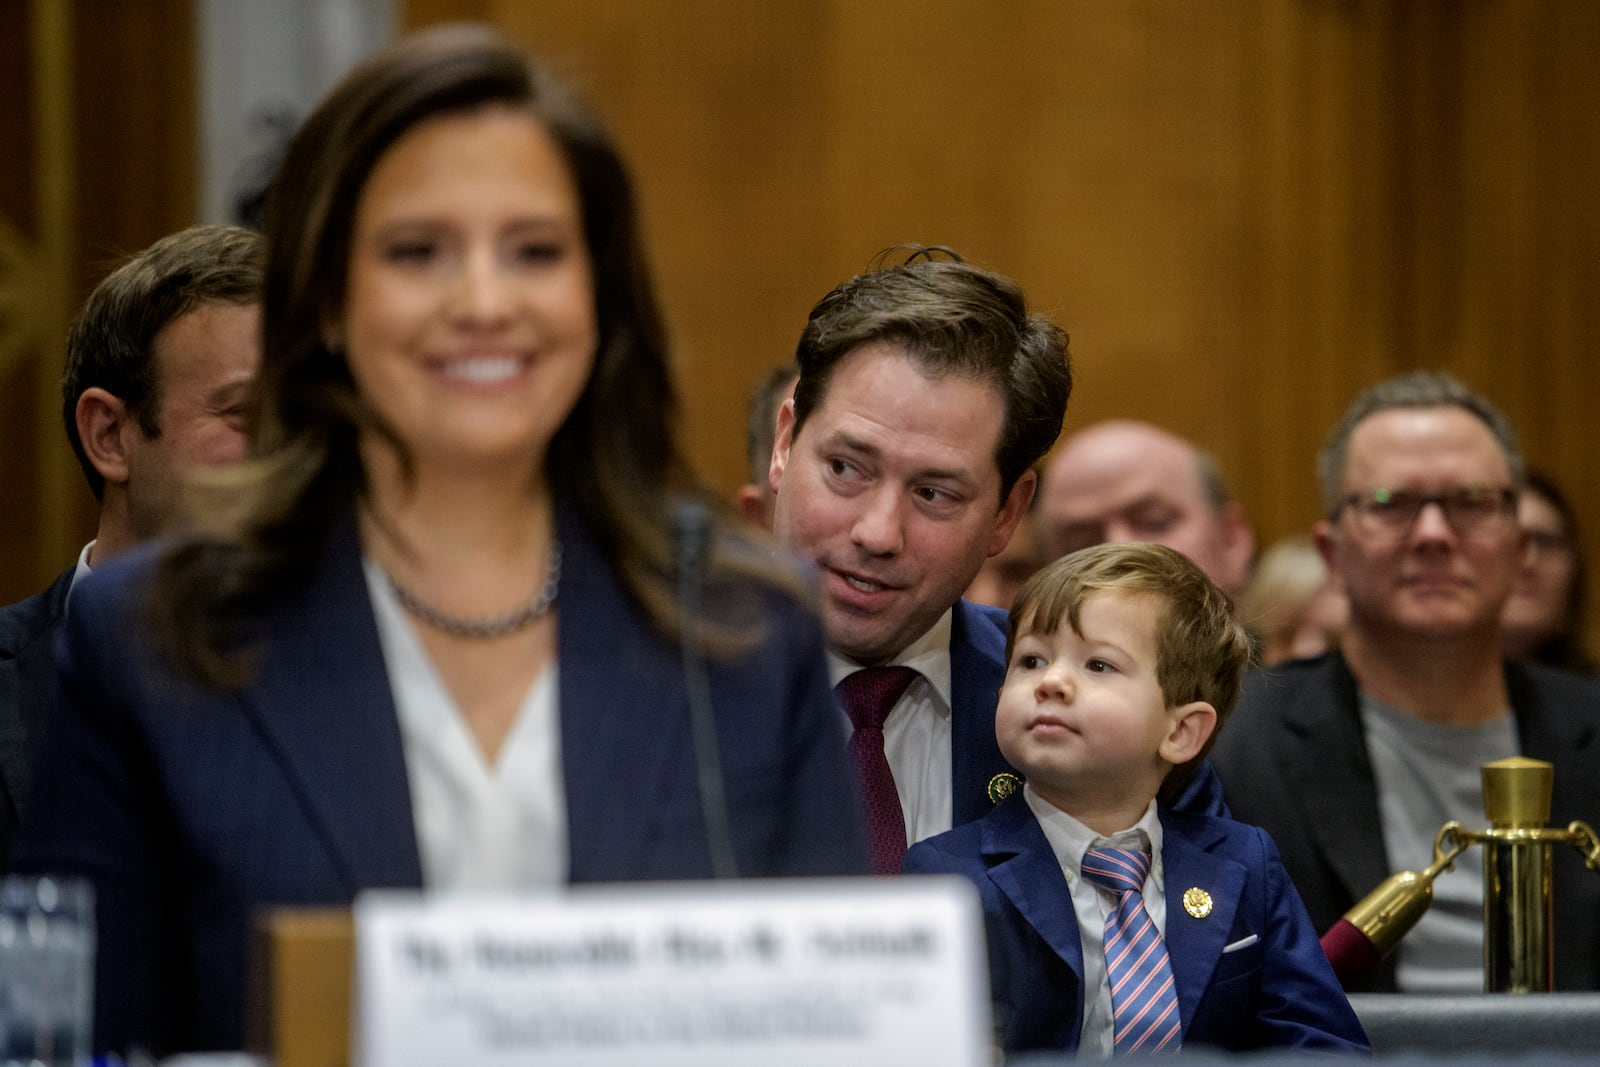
[{"x": 1518, "y": 945}]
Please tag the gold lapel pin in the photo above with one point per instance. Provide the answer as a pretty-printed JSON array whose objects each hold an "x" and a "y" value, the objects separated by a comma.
[
  {"x": 1197, "y": 902},
  {"x": 1003, "y": 785}
]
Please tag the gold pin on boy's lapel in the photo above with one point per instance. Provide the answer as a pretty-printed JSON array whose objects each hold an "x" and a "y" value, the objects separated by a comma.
[
  {"x": 1197, "y": 902},
  {"x": 1003, "y": 785}
]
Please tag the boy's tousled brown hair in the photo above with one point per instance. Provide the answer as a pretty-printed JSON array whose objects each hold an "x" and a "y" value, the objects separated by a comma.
[{"x": 1202, "y": 651}]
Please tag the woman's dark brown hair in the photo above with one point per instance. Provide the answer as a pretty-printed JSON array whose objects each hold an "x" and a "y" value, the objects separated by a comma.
[{"x": 616, "y": 459}]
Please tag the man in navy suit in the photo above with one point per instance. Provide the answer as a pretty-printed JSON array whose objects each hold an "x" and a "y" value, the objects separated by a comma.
[
  {"x": 927, "y": 393},
  {"x": 158, "y": 364}
]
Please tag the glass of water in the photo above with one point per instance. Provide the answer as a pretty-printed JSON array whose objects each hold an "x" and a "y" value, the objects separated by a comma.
[{"x": 46, "y": 970}]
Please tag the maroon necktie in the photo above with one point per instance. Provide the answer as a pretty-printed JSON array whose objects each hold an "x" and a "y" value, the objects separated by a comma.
[{"x": 868, "y": 696}]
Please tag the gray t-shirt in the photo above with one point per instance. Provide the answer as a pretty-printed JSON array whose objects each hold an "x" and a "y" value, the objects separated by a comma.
[{"x": 1428, "y": 774}]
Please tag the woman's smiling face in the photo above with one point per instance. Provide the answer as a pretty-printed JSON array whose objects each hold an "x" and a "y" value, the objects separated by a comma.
[{"x": 469, "y": 320}]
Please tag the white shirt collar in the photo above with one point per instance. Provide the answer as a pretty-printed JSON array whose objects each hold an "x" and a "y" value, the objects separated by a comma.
[
  {"x": 1070, "y": 839},
  {"x": 928, "y": 655},
  {"x": 81, "y": 571}
]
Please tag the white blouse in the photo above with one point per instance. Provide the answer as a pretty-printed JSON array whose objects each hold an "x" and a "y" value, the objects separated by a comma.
[{"x": 479, "y": 826}]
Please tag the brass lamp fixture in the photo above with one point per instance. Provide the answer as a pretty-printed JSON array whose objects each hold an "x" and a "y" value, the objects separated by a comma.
[{"x": 1518, "y": 949}]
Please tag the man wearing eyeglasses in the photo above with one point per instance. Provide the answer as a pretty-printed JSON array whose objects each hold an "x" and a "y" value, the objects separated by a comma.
[{"x": 1354, "y": 760}]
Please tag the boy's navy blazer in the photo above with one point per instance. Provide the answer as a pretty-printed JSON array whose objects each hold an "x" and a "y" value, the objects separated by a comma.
[
  {"x": 1275, "y": 990},
  {"x": 191, "y": 810}
]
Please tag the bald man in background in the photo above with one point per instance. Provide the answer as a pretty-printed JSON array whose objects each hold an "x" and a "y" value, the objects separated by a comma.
[{"x": 1130, "y": 481}]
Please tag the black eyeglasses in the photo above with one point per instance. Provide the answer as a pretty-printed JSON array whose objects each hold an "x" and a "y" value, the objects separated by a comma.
[{"x": 1469, "y": 510}]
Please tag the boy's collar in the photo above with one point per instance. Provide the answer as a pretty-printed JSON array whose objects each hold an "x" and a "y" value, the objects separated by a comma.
[{"x": 1070, "y": 839}]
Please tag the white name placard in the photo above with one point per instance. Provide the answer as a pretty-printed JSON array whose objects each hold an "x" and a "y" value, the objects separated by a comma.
[{"x": 746, "y": 974}]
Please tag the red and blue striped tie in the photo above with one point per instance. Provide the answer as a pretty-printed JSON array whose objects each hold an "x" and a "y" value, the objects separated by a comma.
[{"x": 1144, "y": 1002}]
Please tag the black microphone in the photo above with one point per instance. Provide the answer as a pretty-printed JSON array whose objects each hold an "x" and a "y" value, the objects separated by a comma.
[{"x": 692, "y": 533}]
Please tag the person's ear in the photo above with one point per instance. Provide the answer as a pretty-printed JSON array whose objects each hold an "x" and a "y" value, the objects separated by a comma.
[
  {"x": 1189, "y": 727},
  {"x": 782, "y": 442},
  {"x": 1238, "y": 544},
  {"x": 1329, "y": 548},
  {"x": 752, "y": 504},
  {"x": 1012, "y": 511},
  {"x": 104, "y": 425}
]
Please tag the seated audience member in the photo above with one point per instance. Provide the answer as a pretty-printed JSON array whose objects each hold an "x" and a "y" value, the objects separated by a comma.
[
  {"x": 1002, "y": 575},
  {"x": 754, "y": 498},
  {"x": 1116, "y": 924},
  {"x": 1544, "y": 615},
  {"x": 1291, "y": 603},
  {"x": 434, "y": 639},
  {"x": 1354, "y": 760},
  {"x": 159, "y": 362},
  {"x": 1130, "y": 481}
]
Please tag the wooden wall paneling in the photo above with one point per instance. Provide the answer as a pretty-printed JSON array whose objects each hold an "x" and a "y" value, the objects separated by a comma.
[
  {"x": 715, "y": 107},
  {"x": 109, "y": 136},
  {"x": 1245, "y": 213},
  {"x": 1427, "y": 180},
  {"x": 1529, "y": 320},
  {"x": 18, "y": 230},
  {"x": 1269, "y": 357},
  {"x": 1315, "y": 224},
  {"x": 135, "y": 129},
  {"x": 35, "y": 249},
  {"x": 1076, "y": 150}
]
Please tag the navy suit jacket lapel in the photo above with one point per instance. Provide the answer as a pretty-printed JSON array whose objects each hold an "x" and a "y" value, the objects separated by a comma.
[
  {"x": 1023, "y": 866},
  {"x": 977, "y": 668},
  {"x": 622, "y": 706},
  {"x": 1194, "y": 945},
  {"x": 323, "y": 706},
  {"x": 1328, "y": 759}
]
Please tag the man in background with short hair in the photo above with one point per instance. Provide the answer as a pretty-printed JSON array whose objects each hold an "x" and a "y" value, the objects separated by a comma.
[
  {"x": 1353, "y": 761},
  {"x": 158, "y": 371}
]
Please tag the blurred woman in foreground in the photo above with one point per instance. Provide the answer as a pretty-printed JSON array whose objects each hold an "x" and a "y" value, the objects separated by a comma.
[{"x": 434, "y": 634}]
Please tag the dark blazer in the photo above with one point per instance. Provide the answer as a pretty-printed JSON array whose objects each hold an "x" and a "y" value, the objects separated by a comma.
[
  {"x": 191, "y": 810},
  {"x": 1277, "y": 991},
  {"x": 977, "y": 670},
  {"x": 27, "y": 661},
  {"x": 1294, "y": 760}
]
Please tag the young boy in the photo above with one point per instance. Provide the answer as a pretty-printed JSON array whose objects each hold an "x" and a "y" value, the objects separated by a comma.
[{"x": 1123, "y": 660}]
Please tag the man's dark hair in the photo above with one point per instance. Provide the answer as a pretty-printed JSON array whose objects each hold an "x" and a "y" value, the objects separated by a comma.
[
  {"x": 952, "y": 319},
  {"x": 110, "y": 345}
]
